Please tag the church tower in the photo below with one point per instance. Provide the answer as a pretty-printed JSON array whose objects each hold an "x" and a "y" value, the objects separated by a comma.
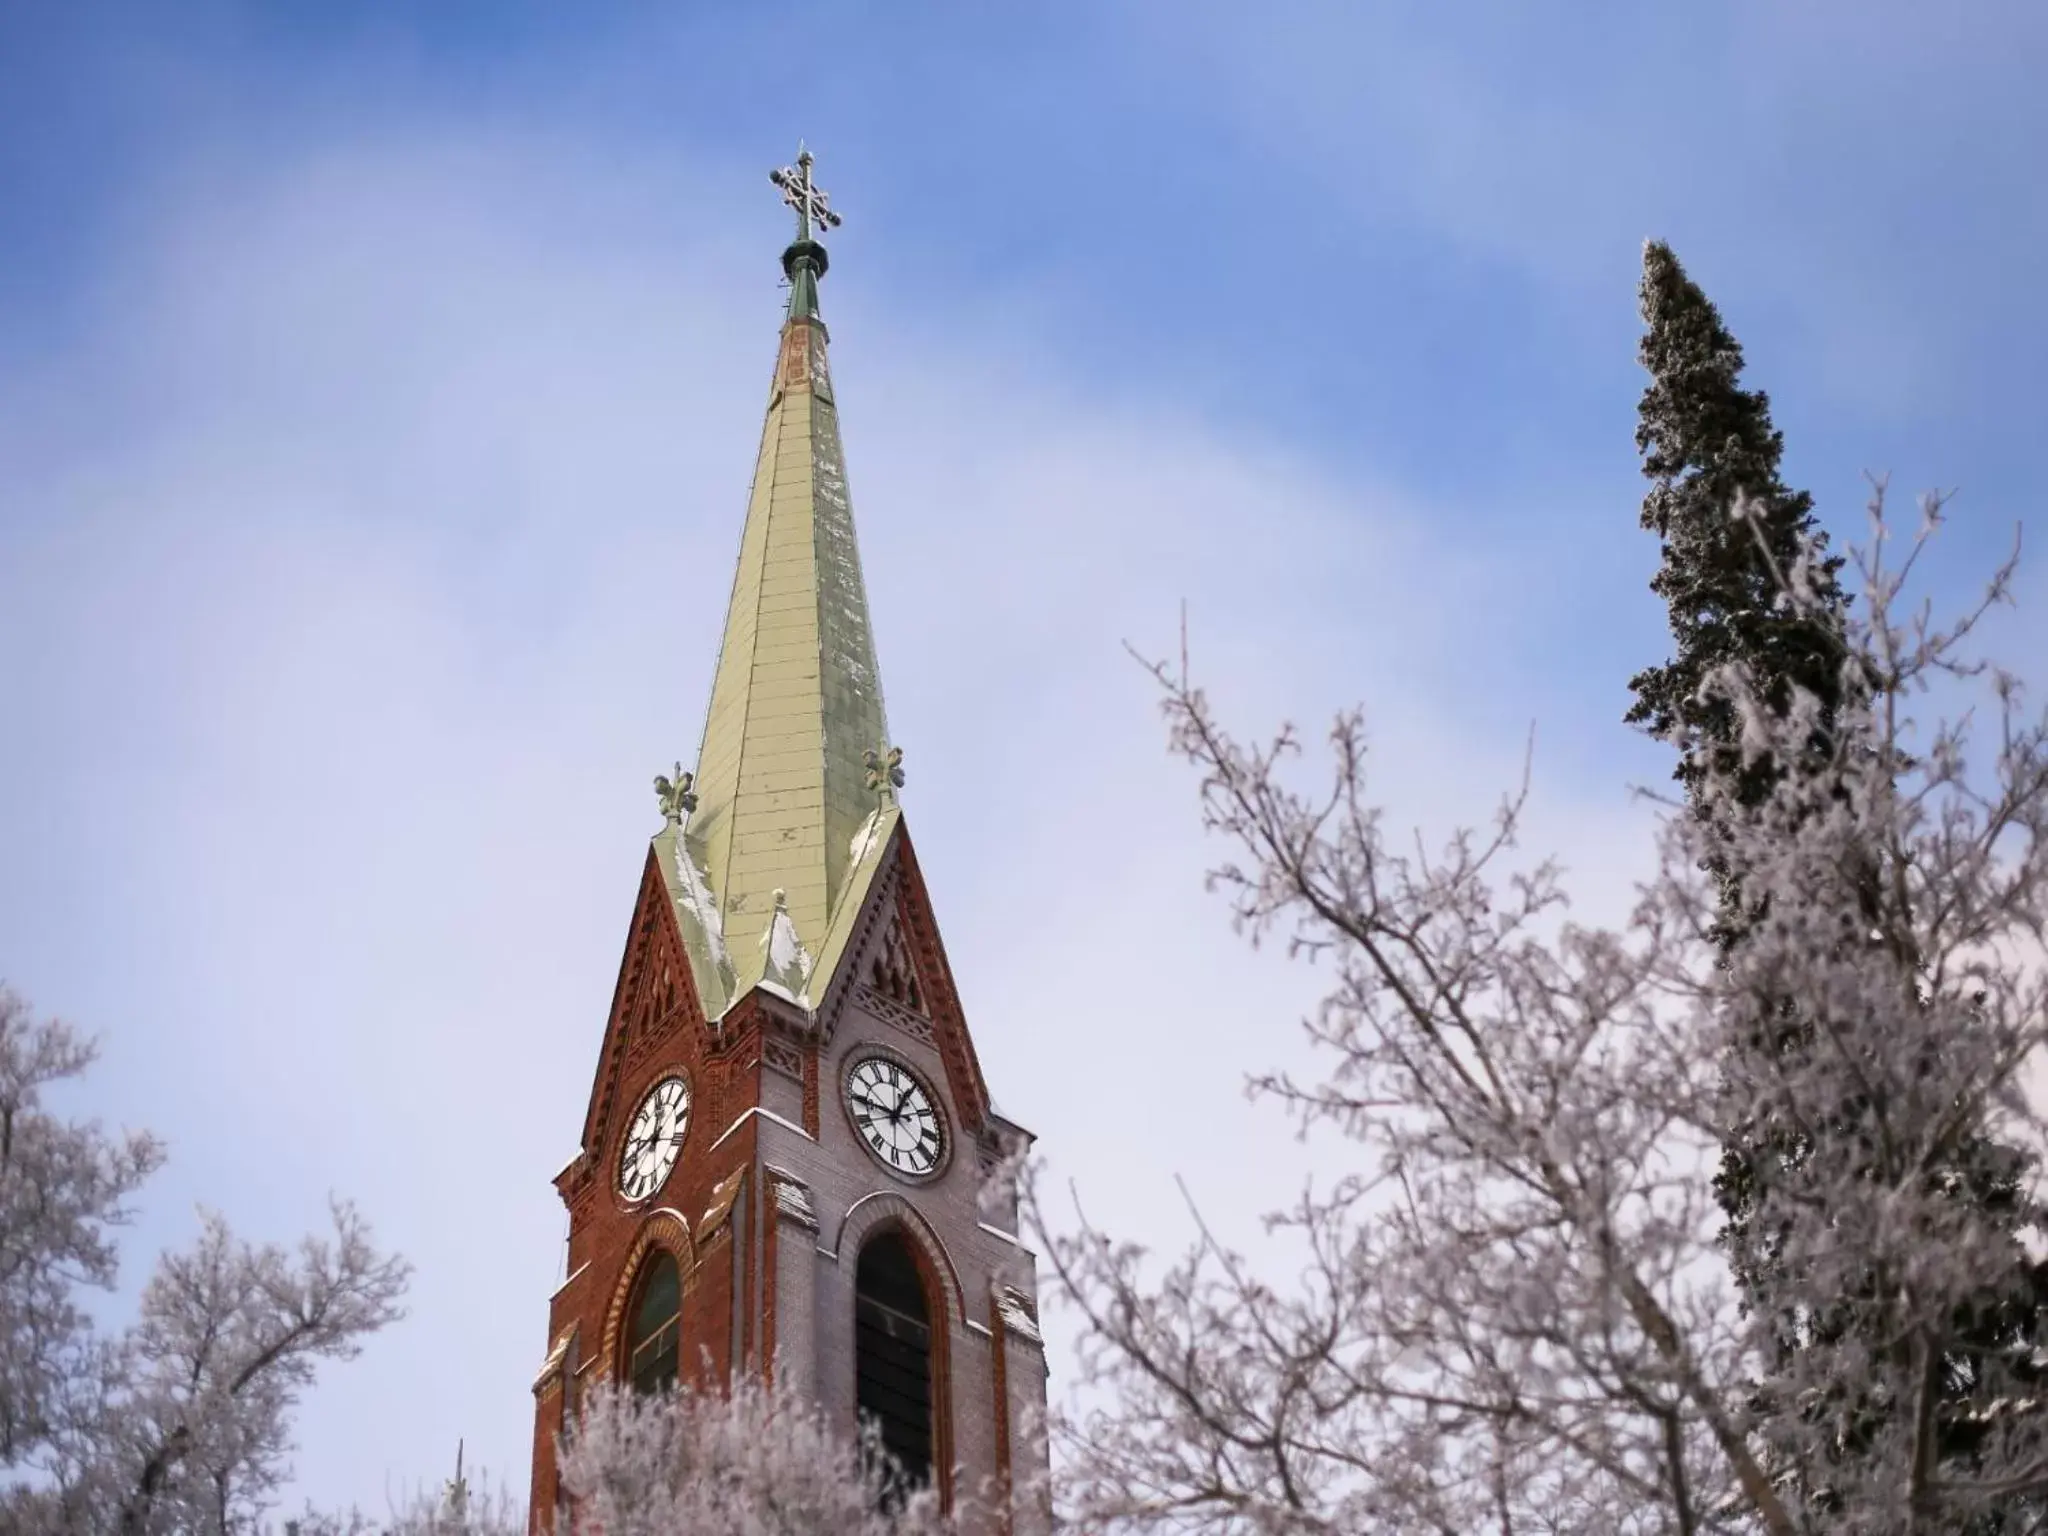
[{"x": 783, "y": 1159}]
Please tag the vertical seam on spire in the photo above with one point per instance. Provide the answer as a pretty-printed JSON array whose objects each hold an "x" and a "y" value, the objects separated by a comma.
[
  {"x": 825, "y": 744},
  {"x": 771, "y": 436},
  {"x": 839, "y": 891}
]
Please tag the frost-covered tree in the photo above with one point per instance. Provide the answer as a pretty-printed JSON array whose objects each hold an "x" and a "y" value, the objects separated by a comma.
[
  {"x": 181, "y": 1422},
  {"x": 63, "y": 1186},
  {"x": 758, "y": 1460},
  {"x": 1514, "y": 1312},
  {"x": 1709, "y": 445},
  {"x": 457, "y": 1510}
]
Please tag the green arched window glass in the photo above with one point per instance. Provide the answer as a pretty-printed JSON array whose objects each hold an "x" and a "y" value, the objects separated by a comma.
[{"x": 652, "y": 1345}]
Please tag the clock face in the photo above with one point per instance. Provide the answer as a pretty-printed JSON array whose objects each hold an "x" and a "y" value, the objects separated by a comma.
[
  {"x": 654, "y": 1138},
  {"x": 895, "y": 1117}
]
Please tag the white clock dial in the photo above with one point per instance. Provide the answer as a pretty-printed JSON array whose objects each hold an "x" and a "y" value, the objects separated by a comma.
[
  {"x": 895, "y": 1116},
  {"x": 654, "y": 1138}
]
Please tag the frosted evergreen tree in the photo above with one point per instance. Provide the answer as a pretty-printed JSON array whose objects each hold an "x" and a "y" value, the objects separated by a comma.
[
  {"x": 1734, "y": 537},
  {"x": 1709, "y": 445}
]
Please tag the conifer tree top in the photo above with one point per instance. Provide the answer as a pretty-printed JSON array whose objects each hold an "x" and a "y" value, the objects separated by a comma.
[{"x": 1708, "y": 446}]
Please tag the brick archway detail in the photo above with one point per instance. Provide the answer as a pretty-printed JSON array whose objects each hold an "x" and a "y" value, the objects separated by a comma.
[
  {"x": 885, "y": 1208},
  {"x": 667, "y": 1230},
  {"x": 886, "y": 1211}
]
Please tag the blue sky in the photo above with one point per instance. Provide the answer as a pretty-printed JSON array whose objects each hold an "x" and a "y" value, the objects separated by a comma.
[{"x": 378, "y": 387}]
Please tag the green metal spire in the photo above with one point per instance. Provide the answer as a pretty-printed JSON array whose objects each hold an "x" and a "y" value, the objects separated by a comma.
[
  {"x": 804, "y": 264},
  {"x": 771, "y": 844}
]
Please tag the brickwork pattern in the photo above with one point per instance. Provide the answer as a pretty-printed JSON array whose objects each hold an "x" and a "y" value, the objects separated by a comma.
[{"x": 770, "y": 1277}]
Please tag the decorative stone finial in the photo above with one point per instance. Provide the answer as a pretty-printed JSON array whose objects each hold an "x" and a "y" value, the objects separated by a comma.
[
  {"x": 885, "y": 772},
  {"x": 675, "y": 796}
]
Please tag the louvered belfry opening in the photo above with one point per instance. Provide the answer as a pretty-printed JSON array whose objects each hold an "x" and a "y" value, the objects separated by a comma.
[
  {"x": 652, "y": 1347},
  {"x": 893, "y": 1359}
]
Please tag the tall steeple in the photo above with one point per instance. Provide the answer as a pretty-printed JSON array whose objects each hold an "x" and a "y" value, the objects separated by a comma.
[
  {"x": 790, "y": 1162},
  {"x": 769, "y": 848}
]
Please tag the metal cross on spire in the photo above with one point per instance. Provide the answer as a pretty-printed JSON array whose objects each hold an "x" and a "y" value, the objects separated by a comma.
[{"x": 805, "y": 196}]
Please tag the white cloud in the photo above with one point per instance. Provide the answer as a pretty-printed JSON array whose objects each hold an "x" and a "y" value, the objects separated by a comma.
[
  {"x": 373, "y": 556},
  {"x": 1792, "y": 153}
]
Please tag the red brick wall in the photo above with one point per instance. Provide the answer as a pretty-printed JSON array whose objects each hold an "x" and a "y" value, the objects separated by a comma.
[{"x": 608, "y": 1237}]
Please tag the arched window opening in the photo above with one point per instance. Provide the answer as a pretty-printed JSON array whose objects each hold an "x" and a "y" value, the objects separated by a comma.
[
  {"x": 893, "y": 1359},
  {"x": 652, "y": 1345}
]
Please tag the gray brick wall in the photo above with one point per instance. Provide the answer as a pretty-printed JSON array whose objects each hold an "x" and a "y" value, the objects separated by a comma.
[{"x": 851, "y": 1194}]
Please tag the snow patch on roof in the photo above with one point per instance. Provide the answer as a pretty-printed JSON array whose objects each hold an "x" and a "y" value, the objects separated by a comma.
[
  {"x": 695, "y": 888},
  {"x": 788, "y": 966},
  {"x": 792, "y": 1197},
  {"x": 1017, "y": 1313},
  {"x": 864, "y": 836}
]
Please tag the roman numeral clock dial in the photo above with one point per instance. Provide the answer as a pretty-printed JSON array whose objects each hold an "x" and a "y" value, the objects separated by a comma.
[
  {"x": 895, "y": 1116},
  {"x": 654, "y": 1138}
]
